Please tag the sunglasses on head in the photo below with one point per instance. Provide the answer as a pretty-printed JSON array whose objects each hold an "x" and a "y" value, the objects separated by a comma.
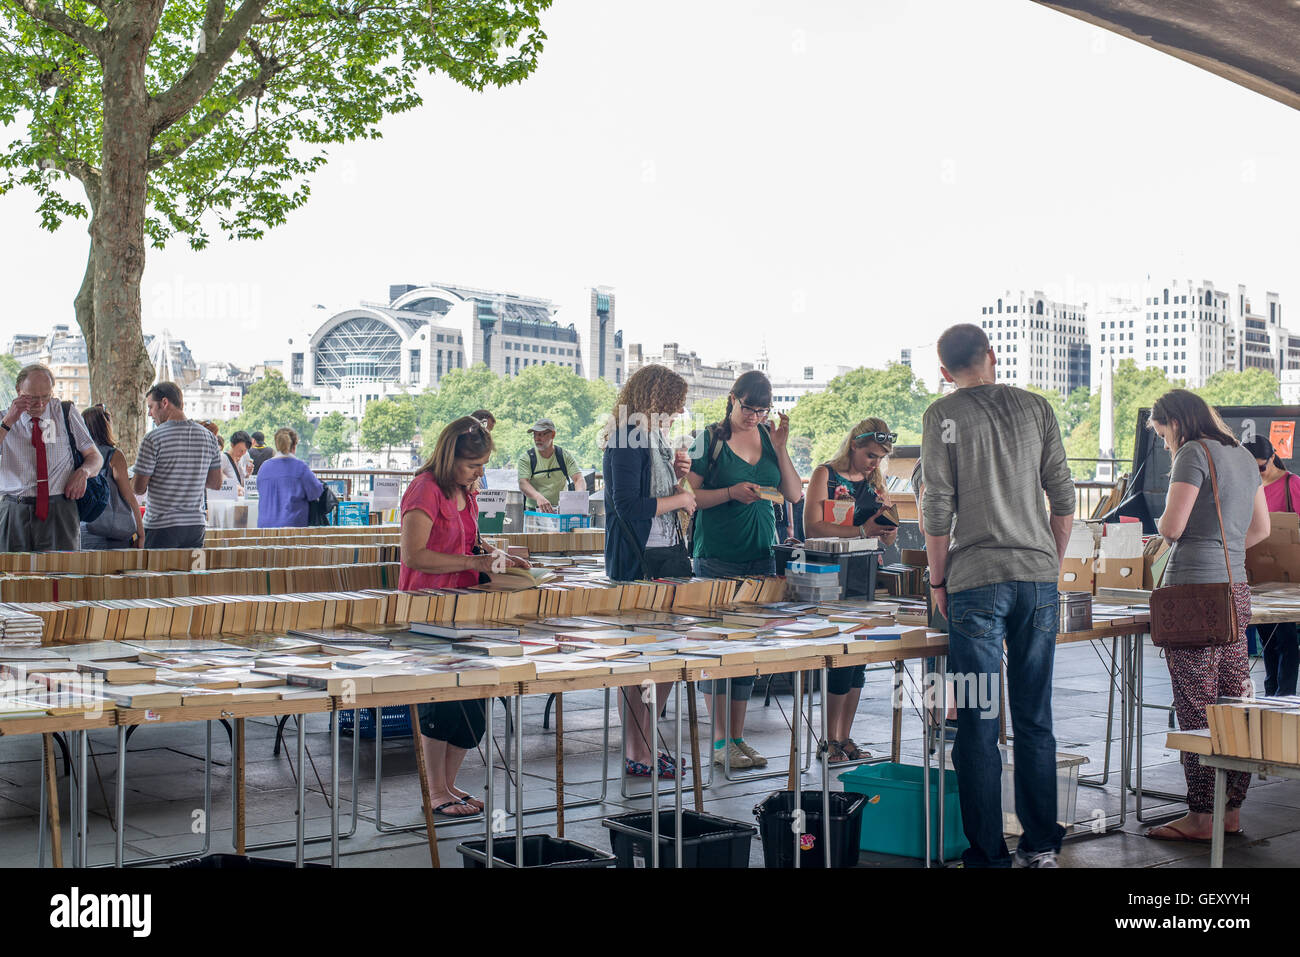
[{"x": 884, "y": 438}]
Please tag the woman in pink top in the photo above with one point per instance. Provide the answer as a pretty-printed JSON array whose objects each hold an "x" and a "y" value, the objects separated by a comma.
[
  {"x": 1280, "y": 642},
  {"x": 439, "y": 531}
]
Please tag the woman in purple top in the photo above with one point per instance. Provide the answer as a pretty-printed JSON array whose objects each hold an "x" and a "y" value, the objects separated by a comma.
[{"x": 285, "y": 486}]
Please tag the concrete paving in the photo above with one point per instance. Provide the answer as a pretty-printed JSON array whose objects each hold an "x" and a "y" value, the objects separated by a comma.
[{"x": 164, "y": 814}]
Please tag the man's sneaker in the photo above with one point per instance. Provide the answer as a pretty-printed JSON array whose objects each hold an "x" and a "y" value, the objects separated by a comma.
[
  {"x": 738, "y": 758},
  {"x": 1041, "y": 859},
  {"x": 755, "y": 758}
]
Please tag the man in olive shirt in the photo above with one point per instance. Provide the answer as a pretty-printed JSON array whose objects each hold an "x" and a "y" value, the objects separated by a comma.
[
  {"x": 546, "y": 470},
  {"x": 988, "y": 453}
]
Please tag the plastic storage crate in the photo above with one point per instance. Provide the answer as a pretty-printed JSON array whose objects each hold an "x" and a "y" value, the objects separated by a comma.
[
  {"x": 396, "y": 719},
  {"x": 350, "y": 513},
  {"x": 540, "y": 850},
  {"x": 776, "y": 818},
  {"x": 857, "y": 569},
  {"x": 707, "y": 841},
  {"x": 893, "y": 818},
  {"x": 1067, "y": 788},
  {"x": 542, "y": 522}
]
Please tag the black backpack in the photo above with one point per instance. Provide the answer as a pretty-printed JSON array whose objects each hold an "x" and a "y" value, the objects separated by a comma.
[
  {"x": 92, "y": 504},
  {"x": 558, "y": 453},
  {"x": 319, "y": 511}
]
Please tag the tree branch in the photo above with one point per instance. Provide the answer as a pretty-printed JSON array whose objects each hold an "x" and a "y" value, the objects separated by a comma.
[
  {"x": 53, "y": 17},
  {"x": 253, "y": 86},
  {"x": 208, "y": 64}
]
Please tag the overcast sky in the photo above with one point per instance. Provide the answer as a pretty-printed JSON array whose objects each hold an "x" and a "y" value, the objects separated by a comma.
[{"x": 839, "y": 179}]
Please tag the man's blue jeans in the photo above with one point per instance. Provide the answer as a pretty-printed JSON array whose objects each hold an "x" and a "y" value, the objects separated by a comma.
[{"x": 1024, "y": 615}]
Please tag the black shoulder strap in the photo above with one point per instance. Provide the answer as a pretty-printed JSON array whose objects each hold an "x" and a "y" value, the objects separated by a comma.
[
  {"x": 231, "y": 459},
  {"x": 715, "y": 451},
  {"x": 564, "y": 469},
  {"x": 1287, "y": 479},
  {"x": 532, "y": 462},
  {"x": 67, "y": 427}
]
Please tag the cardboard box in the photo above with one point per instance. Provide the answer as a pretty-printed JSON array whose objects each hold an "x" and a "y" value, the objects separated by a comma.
[
  {"x": 914, "y": 556},
  {"x": 1076, "y": 575},
  {"x": 1119, "y": 573},
  {"x": 1277, "y": 558}
]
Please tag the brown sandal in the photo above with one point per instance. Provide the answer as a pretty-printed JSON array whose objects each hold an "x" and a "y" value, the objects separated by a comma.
[
  {"x": 852, "y": 752},
  {"x": 837, "y": 755}
]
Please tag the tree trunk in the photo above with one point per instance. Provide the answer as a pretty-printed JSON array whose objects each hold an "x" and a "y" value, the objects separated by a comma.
[{"x": 120, "y": 371}]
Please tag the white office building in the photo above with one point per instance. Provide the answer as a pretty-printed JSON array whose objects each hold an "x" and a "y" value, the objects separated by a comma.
[
  {"x": 348, "y": 357},
  {"x": 1038, "y": 342},
  {"x": 788, "y": 389},
  {"x": 1190, "y": 330}
]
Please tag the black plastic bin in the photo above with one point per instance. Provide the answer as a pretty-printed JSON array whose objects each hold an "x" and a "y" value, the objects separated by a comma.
[
  {"x": 238, "y": 862},
  {"x": 707, "y": 841},
  {"x": 775, "y": 815},
  {"x": 857, "y": 569},
  {"x": 540, "y": 850}
]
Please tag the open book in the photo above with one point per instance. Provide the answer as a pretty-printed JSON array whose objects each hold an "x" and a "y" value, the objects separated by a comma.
[{"x": 517, "y": 579}]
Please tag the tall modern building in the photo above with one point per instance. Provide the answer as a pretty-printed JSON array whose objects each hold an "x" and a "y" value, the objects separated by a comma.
[
  {"x": 345, "y": 358},
  {"x": 1039, "y": 342}
]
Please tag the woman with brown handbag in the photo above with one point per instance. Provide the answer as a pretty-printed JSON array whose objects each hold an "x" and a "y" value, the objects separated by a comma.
[{"x": 1214, "y": 511}]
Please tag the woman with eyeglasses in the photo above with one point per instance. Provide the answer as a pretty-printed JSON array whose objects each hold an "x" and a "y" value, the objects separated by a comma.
[
  {"x": 1280, "y": 642},
  {"x": 735, "y": 528},
  {"x": 855, "y": 474},
  {"x": 439, "y": 536},
  {"x": 643, "y": 538},
  {"x": 98, "y": 424}
]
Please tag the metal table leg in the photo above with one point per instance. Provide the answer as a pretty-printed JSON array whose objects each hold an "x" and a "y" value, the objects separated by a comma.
[
  {"x": 489, "y": 789},
  {"x": 654, "y": 780},
  {"x": 678, "y": 774},
  {"x": 795, "y": 715},
  {"x": 519, "y": 779},
  {"x": 121, "y": 793},
  {"x": 925, "y": 780},
  {"x": 826, "y": 774},
  {"x": 334, "y": 786},
  {"x": 1138, "y": 791},
  {"x": 41, "y": 816},
  {"x": 83, "y": 797},
  {"x": 302, "y": 792}
]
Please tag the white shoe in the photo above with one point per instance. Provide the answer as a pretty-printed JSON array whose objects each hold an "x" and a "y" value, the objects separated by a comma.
[
  {"x": 1041, "y": 859},
  {"x": 738, "y": 758}
]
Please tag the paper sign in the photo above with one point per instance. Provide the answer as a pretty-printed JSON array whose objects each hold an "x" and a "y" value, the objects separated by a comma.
[
  {"x": 1282, "y": 435},
  {"x": 501, "y": 478},
  {"x": 492, "y": 501},
  {"x": 250, "y": 487},
  {"x": 574, "y": 503},
  {"x": 228, "y": 492},
  {"x": 387, "y": 493}
]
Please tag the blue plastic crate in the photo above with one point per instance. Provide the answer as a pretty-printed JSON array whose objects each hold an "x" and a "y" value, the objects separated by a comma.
[
  {"x": 397, "y": 722},
  {"x": 554, "y": 522},
  {"x": 351, "y": 513},
  {"x": 893, "y": 820}
]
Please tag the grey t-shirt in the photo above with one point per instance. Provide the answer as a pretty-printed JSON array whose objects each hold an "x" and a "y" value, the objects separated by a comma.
[
  {"x": 989, "y": 452},
  {"x": 177, "y": 456},
  {"x": 1197, "y": 558}
]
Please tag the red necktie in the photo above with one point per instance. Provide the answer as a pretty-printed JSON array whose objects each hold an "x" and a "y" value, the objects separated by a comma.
[{"x": 42, "y": 474}]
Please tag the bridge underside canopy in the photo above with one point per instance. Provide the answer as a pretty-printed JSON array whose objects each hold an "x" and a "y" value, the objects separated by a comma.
[{"x": 1254, "y": 43}]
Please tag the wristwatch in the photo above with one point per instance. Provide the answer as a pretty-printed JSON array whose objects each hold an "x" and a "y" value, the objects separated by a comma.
[{"x": 5, "y": 427}]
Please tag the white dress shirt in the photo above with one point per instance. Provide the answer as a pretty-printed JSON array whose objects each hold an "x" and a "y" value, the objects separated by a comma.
[{"x": 18, "y": 455}]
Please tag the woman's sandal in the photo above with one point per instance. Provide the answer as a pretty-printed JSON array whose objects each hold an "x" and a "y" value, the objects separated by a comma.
[
  {"x": 1173, "y": 834},
  {"x": 837, "y": 755},
  {"x": 852, "y": 752}
]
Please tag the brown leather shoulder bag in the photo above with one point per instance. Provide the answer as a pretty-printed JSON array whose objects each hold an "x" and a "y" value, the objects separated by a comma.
[{"x": 1196, "y": 616}]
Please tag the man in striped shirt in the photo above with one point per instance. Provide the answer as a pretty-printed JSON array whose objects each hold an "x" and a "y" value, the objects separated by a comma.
[
  {"x": 38, "y": 482},
  {"x": 177, "y": 460}
]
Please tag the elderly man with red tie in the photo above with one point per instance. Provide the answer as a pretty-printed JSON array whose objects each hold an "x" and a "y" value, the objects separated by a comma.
[{"x": 39, "y": 484}]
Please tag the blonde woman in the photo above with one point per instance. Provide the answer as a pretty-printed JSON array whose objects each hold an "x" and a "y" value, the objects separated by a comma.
[
  {"x": 286, "y": 487},
  {"x": 855, "y": 474}
]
